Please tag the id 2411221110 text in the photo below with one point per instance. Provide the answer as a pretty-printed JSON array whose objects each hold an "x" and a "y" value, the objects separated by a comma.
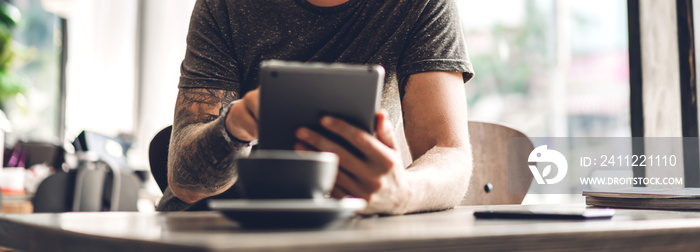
[{"x": 629, "y": 161}]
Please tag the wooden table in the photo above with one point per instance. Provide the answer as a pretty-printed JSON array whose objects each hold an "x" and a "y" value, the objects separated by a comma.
[{"x": 447, "y": 230}]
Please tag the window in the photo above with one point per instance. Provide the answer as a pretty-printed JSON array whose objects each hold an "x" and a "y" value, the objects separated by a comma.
[
  {"x": 34, "y": 114},
  {"x": 549, "y": 68}
]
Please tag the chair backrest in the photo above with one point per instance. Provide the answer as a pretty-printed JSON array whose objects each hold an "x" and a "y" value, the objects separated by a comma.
[
  {"x": 87, "y": 189},
  {"x": 54, "y": 194},
  {"x": 158, "y": 156},
  {"x": 490, "y": 177}
]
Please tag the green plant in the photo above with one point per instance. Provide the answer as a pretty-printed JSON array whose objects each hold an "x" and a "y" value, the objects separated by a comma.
[{"x": 11, "y": 84}]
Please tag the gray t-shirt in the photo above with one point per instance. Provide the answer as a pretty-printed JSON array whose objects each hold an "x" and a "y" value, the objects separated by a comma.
[{"x": 229, "y": 38}]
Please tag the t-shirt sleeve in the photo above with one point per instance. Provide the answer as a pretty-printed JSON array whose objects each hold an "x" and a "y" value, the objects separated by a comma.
[
  {"x": 210, "y": 60},
  {"x": 437, "y": 43}
]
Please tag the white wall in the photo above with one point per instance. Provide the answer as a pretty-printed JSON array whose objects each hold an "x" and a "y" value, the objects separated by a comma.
[
  {"x": 101, "y": 69},
  {"x": 165, "y": 25}
]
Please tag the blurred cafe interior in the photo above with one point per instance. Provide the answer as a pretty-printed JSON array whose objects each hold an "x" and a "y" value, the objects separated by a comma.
[{"x": 86, "y": 85}]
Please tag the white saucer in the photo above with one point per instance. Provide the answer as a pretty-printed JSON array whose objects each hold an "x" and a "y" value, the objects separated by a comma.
[{"x": 267, "y": 213}]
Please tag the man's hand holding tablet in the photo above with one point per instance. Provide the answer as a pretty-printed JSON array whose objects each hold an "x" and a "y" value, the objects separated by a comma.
[
  {"x": 378, "y": 177},
  {"x": 242, "y": 118},
  {"x": 334, "y": 108}
]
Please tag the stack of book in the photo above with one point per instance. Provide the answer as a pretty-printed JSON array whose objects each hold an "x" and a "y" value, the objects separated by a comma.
[{"x": 646, "y": 198}]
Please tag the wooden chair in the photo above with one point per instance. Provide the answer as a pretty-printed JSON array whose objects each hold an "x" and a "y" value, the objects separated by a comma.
[{"x": 490, "y": 178}]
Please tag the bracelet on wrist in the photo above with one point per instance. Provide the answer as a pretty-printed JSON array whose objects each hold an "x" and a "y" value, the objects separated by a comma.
[{"x": 230, "y": 138}]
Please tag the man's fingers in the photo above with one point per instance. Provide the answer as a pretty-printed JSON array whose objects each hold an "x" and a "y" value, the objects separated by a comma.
[
  {"x": 338, "y": 193},
  {"x": 346, "y": 159},
  {"x": 242, "y": 119},
  {"x": 252, "y": 103},
  {"x": 371, "y": 147},
  {"x": 241, "y": 124},
  {"x": 348, "y": 184},
  {"x": 385, "y": 129}
]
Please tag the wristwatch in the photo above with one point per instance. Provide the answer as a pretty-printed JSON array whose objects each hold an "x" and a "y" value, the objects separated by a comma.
[{"x": 232, "y": 140}]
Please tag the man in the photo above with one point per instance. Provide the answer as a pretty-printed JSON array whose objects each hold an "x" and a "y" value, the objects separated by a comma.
[{"x": 420, "y": 45}]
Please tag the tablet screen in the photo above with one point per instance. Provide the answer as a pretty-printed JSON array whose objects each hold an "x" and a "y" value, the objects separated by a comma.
[{"x": 293, "y": 95}]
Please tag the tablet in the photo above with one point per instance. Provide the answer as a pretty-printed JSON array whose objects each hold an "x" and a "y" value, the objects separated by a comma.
[{"x": 295, "y": 94}]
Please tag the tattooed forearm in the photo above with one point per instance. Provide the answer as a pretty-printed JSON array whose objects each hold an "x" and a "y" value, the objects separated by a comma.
[
  {"x": 201, "y": 162},
  {"x": 226, "y": 98}
]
